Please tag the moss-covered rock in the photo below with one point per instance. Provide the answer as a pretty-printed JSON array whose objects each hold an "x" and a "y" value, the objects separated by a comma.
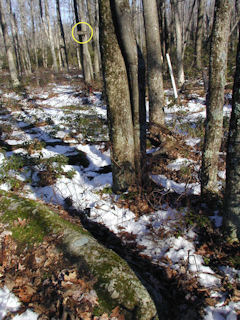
[{"x": 116, "y": 284}]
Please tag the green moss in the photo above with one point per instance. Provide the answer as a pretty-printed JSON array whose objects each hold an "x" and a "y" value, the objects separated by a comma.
[{"x": 39, "y": 221}]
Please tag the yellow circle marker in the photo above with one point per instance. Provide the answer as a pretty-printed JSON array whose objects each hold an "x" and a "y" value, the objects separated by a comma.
[{"x": 74, "y": 29}]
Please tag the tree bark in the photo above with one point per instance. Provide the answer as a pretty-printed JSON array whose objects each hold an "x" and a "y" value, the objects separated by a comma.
[
  {"x": 8, "y": 48},
  {"x": 35, "y": 42},
  {"x": 136, "y": 75},
  {"x": 93, "y": 13},
  {"x": 232, "y": 191},
  {"x": 25, "y": 40},
  {"x": 215, "y": 96},
  {"x": 154, "y": 63},
  {"x": 63, "y": 47},
  {"x": 84, "y": 53},
  {"x": 118, "y": 102},
  {"x": 50, "y": 36},
  {"x": 199, "y": 34},
  {"x": 179, "y": 42}
]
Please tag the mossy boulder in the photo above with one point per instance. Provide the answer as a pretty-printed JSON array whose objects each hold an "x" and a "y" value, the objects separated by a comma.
[{"x": 116, "y": 284}]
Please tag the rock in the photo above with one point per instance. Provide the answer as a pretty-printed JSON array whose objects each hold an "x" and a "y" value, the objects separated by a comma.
[{"x": 116, "y": 284}]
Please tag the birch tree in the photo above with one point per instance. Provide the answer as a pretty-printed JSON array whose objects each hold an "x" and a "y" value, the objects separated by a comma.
[
  {"x": 232, "y": 190},
  {"x": 215, "y": 96},
  {"x": 8, "y": 48}
]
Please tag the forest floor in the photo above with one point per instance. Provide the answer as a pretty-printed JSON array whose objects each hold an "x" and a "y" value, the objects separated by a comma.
[{"x": 55, "y": 148}]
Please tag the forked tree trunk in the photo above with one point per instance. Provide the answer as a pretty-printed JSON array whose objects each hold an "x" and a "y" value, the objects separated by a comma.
[
  {"x": 215, "y": 96},
  {"x": 154, "y": 63},
  {"x": 118, "y": 101},
  {"x": 199, "y": 34},
  {"x": 232, "y": 191},
  {"x": 136, "y": 75},
  {"x": 8, "y": 48}
]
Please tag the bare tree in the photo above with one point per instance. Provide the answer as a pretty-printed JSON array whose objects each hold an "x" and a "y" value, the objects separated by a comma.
[
  {"x": 8, "y": 48},
  {"x": 199, "y": 34},
  {"x": 232, "y": 190},
  {"x": 136, "y": 73},
  {"x": 63, "y": 48},
  {"x": 49, "y": 32},
  {"x": 215, "y": 96},
  {"x": 118, "y": 102},
  {"x": 25, "y": 40},
  {"x": 154, "y": 63},
  {"x": 84, "y": 53},
  {"x": 93, "y": 12},
  {"x": 179, "y": 41}
]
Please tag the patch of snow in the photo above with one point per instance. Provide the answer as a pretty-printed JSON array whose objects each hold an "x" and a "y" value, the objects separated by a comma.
[
  {"x": 192, "y": 141},
  {"x": 191, "y": 188},
  {"x": 8, "y": 302}
]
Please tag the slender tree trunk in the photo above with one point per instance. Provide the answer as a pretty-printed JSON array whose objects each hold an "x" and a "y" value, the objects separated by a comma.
[
  {"x": 215, "y": 96},
  {"x": 135, "y": 71},
  {"x": 85, "y": 56},
  {"x": 79, "y": 58},
  {"x": 118, "y": 102},
  {"x": 199, "y": 34},
  {"x": 93, "y": 13},
  {"x": 1, "y": 49},
  {"x": 179, "y": 42},
  {"x": 232, "y": 190},
  {"x": 16, "y": 45},
  {"x": 63, "y": 47},
  {"x": 8, "y": 48},
  {"x": 154, "y": 63},
  {"x": 50, "y": 36},
  {"x": 25, "y": 40},
  {"x": 35, "y": 42}
]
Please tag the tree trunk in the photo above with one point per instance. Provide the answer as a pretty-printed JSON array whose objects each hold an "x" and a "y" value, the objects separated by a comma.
[
  {"x": 35, "y": 42},
  {"x": 50, "y": 37},
  {"x": 63, "y": 47},
  {"x": 14, "y": 28},
  {"x": 199, "y": 34},
  {"x": 215, "y": 96},
  {"x": 154, "y": 63},
  {"x": 84, "y": 53},
  {"x": 25, "y": 40},
  {"x": 232, "y": 191},
  {"x": 135, "y": 71},
  {"x": 94, "y": 21},
  {"x": 118, "y": 102},
  {"x": 8, "y": 48},
  {"x": 179, "y": 42}
]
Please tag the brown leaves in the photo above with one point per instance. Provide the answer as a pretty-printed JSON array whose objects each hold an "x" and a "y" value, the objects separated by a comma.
[{"x": 46, "y": 282}]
